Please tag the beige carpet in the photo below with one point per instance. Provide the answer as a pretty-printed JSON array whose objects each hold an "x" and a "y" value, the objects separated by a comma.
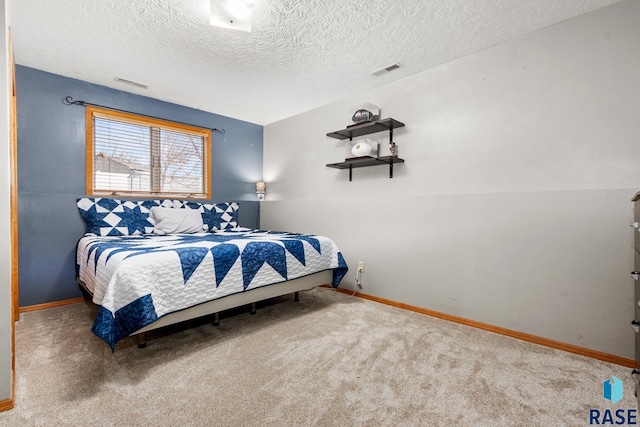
[{"x": 328, "y": 360}]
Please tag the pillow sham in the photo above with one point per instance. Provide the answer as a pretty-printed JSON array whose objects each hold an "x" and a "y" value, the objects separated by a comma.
[
  {"x": 176, "y": 221},
  {"x": 104, "y": 216},
  {"x": 220, "y": 216}
]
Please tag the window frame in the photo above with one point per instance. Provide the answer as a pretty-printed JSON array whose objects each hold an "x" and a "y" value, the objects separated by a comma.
[{"x": 151, "y": 122}]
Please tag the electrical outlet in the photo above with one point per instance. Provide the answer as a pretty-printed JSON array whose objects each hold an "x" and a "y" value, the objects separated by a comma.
[{"x": 361, "y": 266}]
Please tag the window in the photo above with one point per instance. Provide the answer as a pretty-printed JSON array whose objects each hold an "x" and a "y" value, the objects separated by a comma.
[{"x": 136, "y": 155}]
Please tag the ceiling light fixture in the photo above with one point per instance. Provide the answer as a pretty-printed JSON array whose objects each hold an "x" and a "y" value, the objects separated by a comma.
[
  {"x": 232, "y": 14},
  {"x": 385, "y": 69}
]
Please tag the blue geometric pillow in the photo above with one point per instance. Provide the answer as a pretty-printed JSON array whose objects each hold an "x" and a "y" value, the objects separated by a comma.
[
  {"x": 112, "y": 217},
  {"x": 220, "y": 216}
]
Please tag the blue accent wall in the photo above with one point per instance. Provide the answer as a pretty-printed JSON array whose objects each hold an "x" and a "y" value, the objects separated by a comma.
[{"x": 51, "y": 171}]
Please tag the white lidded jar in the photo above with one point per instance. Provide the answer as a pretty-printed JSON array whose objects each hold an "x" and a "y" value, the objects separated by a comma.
[{"x": 362, "y": 148}]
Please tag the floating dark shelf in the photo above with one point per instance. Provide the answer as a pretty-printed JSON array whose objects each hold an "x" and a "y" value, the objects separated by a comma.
[
  {"x": 361, "y": 162},
  {"x": 366, "y": 128}
]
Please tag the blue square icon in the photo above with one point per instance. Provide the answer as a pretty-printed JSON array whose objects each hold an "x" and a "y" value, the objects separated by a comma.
[{"x": 612, "y": 389}]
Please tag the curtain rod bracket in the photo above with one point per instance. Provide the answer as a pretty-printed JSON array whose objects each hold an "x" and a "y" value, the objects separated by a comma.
[{"x": 68, "y": 100}]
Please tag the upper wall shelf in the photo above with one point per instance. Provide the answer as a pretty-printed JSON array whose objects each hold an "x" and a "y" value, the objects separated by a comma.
[{"x": 366, "y": 129}]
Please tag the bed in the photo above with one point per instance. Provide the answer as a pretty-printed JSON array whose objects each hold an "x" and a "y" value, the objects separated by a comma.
[{"x": 142, "y": 280}]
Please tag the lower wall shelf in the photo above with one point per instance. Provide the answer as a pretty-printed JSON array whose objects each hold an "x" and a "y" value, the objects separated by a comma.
[{"x": 361, "y": 162}]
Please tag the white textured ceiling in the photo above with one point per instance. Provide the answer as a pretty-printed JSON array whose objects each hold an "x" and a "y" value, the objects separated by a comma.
[{"x": 300, "y": 55}]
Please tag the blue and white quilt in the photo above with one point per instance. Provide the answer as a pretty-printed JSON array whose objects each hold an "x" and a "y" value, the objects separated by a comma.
[{"x": 137, "y": 279}]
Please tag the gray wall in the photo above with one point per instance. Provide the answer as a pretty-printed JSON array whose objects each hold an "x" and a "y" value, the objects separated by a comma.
[
  {"x": 514, "y": 202},
  {"x": 51, "y": 171},
  {"x": 5, "y": 217}
]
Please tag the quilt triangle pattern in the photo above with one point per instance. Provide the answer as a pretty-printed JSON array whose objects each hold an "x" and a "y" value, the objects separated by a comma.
[
  {"x": 295, "y": 248},
  {"x": 255, "y": 254},
  {"x": 224, "y": 256},
  {"x": 190, "y": 259}
]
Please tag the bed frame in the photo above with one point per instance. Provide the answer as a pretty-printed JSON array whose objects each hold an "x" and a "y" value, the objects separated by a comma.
[{"x": 214, "y": 307}]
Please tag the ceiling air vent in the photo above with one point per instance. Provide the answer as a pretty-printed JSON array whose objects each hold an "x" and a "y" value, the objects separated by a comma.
[
  {"x": 131, "y": 83},
  {"x": 385, "y": 69}
]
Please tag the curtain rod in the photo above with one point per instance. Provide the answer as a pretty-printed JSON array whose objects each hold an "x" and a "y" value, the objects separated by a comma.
[{"x": 67, "y": 100}]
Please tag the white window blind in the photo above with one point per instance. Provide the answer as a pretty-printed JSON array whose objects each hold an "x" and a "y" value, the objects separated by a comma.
[{"x": 134, "y": 155}]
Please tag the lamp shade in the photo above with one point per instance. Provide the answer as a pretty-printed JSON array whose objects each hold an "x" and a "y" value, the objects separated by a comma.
[{"x": 261, "y": 187}]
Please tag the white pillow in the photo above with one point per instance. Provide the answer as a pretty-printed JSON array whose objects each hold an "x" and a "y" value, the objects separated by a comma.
[{"x": 174, "y": 221}]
